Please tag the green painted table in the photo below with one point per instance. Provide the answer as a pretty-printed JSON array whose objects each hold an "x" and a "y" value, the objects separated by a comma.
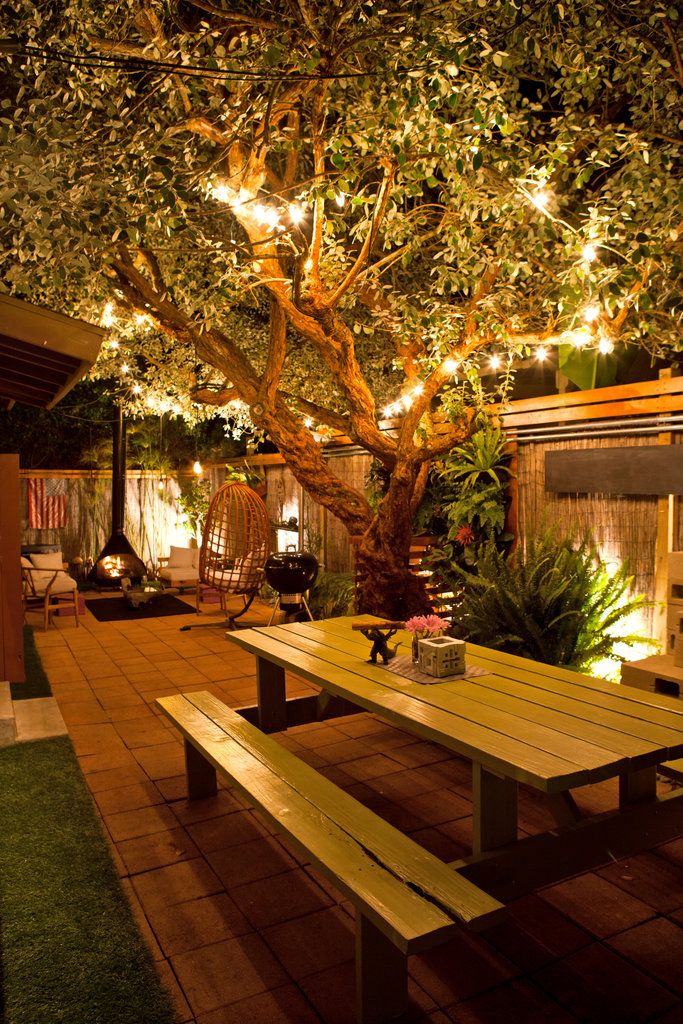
[{"x": 520, "y": 722}]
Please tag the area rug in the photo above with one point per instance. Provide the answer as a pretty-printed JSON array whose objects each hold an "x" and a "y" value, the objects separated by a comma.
[{"x": 116, "y": 609}]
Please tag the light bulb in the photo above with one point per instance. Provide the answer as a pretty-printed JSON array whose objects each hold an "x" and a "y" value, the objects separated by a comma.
[
  {"x": 340, "y": 199},
  {"x": 591, "y": 314},
  {"x": 308, "y": 265},
  {"x": 418, "y": 389},
  {"x": 605, "y": 346},
  {"x": 450, "y": 365},
  {"x": 107, "y": 318},
  {"x": 125, "y": 368},
  {"x": 114, "y": 345},
  {"x": 296, "y": 213},
  {"x": 197, "y": 468},
  {"x": 494, "y": 361},
  {"x": 541, "y": 353},
  {"x": 387, "y": 411},
  {"x": 589, "y": 253},
  {"x": 308, "y": 422},
  {"x": 541, "y": 200},
  {"x": 407, "y": 401},
  {"x": 222, "y": 192},
  {"x": 136, "y": 389}
]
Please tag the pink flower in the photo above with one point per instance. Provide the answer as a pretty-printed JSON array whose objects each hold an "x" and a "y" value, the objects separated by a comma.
[
  {"x": 465, "y": 536},
  {"x": 427, "y": 624}
]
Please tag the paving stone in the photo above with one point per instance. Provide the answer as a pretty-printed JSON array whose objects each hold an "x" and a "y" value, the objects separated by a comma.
[
  {"x": 655, "y": 947},
  {"x": 197, "y": 923},
  {"x": 460, "y": 969},
  {"x": 286, "y": 896},
  {"x": 226, "y": 831},
  {"x": 128, "y": 798},
  {"x": 140, "y": 822},
  {"x": 283, "y": 1005},
  {"x": 332, "y": 994},
  {"x": 598, "y": 986},
  {"x": 250, "y": 862},
  {"x": 37, "y": 718},
  {"x": 652, "y": 879},
  {"x": 312, "y": 943},
  {"x": 226, "y": 972},
  {"x": 175, "y": 883},
  {"x": 156, "y": 850},
  {"x": 596, "y": 904}
]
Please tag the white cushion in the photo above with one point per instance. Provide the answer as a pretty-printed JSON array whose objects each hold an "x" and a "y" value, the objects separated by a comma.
[
  {"x": 180, "y": 557},
  {"x": 176, "y": 573},
  {"x": 195, "y": 558},
  {"x": 52, "y": 560},
  {"x": 63, "y": 583}
]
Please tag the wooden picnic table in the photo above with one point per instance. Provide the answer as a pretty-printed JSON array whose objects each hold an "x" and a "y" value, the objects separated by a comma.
[{"x": 520, "y": 722}]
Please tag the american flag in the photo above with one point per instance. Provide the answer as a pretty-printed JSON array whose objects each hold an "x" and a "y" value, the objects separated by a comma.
[{"x": 46, "y": 504}]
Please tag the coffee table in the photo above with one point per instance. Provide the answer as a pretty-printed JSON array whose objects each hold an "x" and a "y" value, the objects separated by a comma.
[{"x": 142, "y": 594}]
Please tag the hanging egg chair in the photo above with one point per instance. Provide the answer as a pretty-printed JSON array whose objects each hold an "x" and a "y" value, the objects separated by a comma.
[{"x": 235, "y": 546}]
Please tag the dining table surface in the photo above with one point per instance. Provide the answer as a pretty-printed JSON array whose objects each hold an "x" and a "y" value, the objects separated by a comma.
[{"x": 518, "y": 721}]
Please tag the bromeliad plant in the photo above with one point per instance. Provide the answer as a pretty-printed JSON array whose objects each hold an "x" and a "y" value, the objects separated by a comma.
[{"x": 556, "y": 602}]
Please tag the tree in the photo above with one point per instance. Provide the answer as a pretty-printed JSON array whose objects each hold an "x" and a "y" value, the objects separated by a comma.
[{"x": 318, "y": 215}]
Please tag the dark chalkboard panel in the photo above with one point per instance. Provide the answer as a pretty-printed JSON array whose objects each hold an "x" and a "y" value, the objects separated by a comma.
[{"x": 655, "y": 469}]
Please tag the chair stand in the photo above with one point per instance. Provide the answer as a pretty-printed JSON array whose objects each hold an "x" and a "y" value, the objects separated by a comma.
[{"x": 228, "y": 623}]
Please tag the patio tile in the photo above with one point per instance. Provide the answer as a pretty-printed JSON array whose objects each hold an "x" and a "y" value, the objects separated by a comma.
[
  {"x": 460, "y": 969},
  {"x": 189, "y": 811},
  {"x": 181, "y": 1006},
  {"x": 197, "y": 923},
  {"x": 146, "y": 732},
  {"x": 654, "y": 880},
  {"x": 128, "y": 798},
  {"x": 106, "y": 761},
  {"x": 141, "y": 921},
  {"x": 312, "y": 943},
  {"x": 82, "y": 712},
  {"x": 515, "y": 1001},
  {"x": 162, "y": 760},
  {"x": 371, "y": 767},
  {"x": 597, "y": 986},
  {"x": 175, "y": 883},
  {"x": 282, "y": 1005},
  {"x": 597, "y": 905},
  {"x": 285, "y": 896},
  {"x": 227, "y": 972},
  {"x": 226, "y": 831},
  {"x": 332, "y": 993},
  {"x": 156, "y": 850},
  {"x": 115, "y": 778},
  {"x": 655, "y": 947},
  {"x": 250, "y": 862},
  {"x": 139, "y": 822},
  {"x": 89, "y": 739},
  {"x": 534, "y": 933}
]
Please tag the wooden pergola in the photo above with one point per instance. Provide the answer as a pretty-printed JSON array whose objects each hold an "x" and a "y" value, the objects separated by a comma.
[{"x": 42, "y": 353}]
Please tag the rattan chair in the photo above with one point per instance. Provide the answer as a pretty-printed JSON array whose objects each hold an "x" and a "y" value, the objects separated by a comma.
[{"x": 235, "y": 546}]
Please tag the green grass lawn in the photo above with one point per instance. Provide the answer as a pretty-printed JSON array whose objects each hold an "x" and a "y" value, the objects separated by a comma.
[{"x": 70, "y": 950}]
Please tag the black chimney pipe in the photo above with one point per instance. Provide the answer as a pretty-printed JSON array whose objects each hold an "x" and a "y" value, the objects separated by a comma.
[
  {"x": 118, "y": 474},
  {"x": 117, "y": 558}
]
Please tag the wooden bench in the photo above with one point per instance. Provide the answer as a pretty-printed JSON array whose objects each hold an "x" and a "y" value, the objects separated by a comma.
[{"x": 406, "y": 899}]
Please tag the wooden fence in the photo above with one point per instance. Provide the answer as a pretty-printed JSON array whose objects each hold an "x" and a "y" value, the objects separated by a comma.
[{"x": 638, "y": 529}]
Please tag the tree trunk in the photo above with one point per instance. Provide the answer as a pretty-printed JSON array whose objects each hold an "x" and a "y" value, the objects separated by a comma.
[{"x": 386, "y": 585}]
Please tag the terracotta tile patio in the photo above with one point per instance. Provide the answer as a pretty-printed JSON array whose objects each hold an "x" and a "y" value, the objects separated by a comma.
[{"x": 244, "y": 932}]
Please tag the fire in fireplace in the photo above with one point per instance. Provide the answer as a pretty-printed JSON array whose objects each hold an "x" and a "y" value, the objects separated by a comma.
[{"x": 117, "y": 558}]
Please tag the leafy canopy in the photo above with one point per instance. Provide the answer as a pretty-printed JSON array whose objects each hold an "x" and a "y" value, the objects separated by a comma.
[{"x": 512, "y": 163}]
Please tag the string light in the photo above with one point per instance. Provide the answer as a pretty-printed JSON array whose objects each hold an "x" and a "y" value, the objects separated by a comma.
[
  {"x": 541, "y": 353},
  {"x": 605, "y": 346},
  {"x": 450, "y": 365},
  {"x": 308, "y": 422},
  {"x": 107, "y": 318},
  {"x": 494, "y": 361},
  {"x": 113, "y": 345},
  {"x": 541, "y": 199},
  {"x": 137, "y": 389},
  {"x": 578, "y": 338},
  {"x": 418, "y": 389},
  {"x": 590, "y": 314},
  {"x": 308, "y": 265},
  {"x": 197, "y": 468},
  {"x": 296, "y": 213},
  {"x": 589, "y": 253},
  {"x": 125, "y": 368},
  {"x": 340, "y": 200},
  {"x": 142, "y": 320}
]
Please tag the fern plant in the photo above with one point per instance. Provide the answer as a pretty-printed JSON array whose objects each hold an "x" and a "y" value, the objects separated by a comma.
[{"x": 557, "y": 602}]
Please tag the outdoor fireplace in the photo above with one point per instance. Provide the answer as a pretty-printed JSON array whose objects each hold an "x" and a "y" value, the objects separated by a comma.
[{"x": 117, "y": 558}]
